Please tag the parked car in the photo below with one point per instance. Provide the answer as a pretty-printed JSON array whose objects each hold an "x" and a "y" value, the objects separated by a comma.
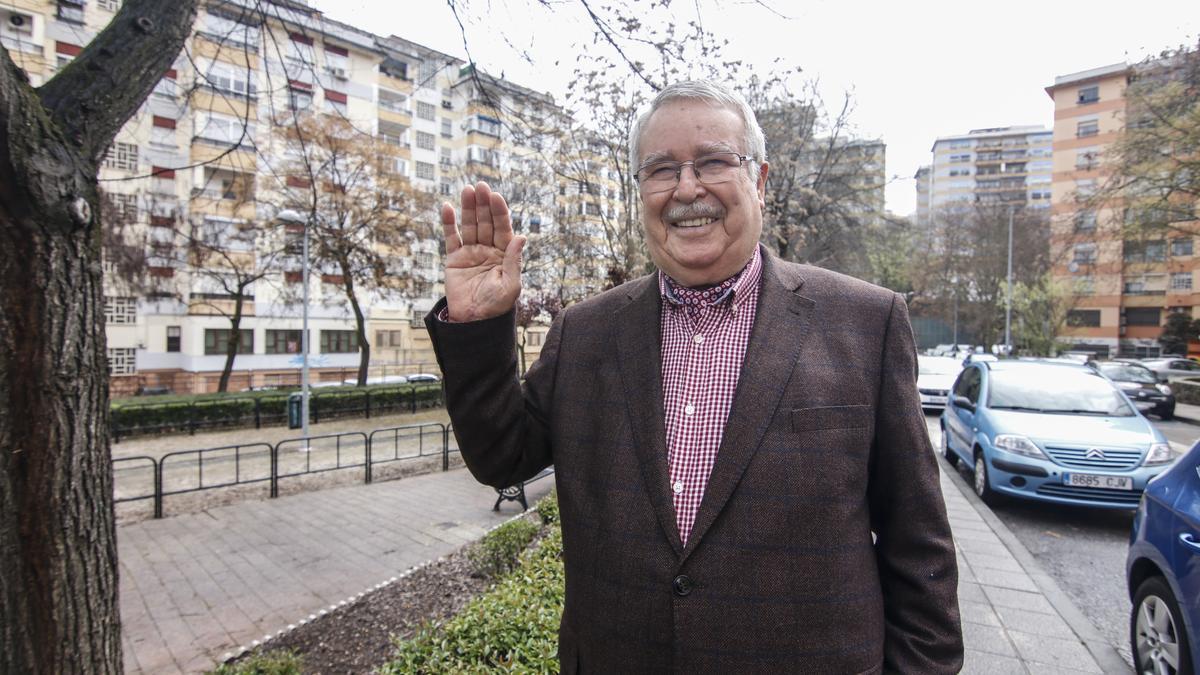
[
  {"x": 1141, "y": 385},
  {"x": 1173, "y": 368},
  {"x": 1163, "y": 571},
  {"x": 1053, "y": 432},
  {"x": 424, "y": 377},
  {"x": 935, "y": 376}
]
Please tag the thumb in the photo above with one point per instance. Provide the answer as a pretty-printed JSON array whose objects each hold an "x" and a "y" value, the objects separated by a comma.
[{"x": 512, "y": 258}]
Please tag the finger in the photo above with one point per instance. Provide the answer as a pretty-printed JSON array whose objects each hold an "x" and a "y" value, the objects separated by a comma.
[
  {"x": 502, "y": 229},
  {"x": 512, "y": 258},
  {"x": 449, "y": 231},
  {"x": 483, "y": 213},
  {"x": 469, "y": 224}
]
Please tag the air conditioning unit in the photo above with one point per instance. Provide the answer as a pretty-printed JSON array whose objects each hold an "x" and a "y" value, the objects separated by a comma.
[
  {"x": 339, "y": 73},
  {"x": 447, "y": 105}
]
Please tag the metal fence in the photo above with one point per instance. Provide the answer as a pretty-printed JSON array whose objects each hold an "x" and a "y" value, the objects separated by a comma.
[{"x": 143, "y": 477}]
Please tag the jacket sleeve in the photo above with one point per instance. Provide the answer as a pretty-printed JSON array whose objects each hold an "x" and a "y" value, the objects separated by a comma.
[
  {"x": 502, "y": 425},
  {"x": 914, "y": 548}
]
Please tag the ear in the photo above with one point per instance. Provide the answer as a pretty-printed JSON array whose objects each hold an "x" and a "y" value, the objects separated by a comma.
[{"x": 762, "y": 184}]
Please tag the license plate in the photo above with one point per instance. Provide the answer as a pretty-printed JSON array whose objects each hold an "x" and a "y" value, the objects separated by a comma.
[
  {"x": 1092, "y": 480},
  {"x": 935, "y": 399}
]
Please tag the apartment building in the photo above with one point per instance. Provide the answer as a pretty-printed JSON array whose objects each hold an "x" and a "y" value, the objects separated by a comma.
[
  {"x": 1001, "y": 165},
  {"x": 1123, "y": 290},
  {"x": 203, "y": 180}
]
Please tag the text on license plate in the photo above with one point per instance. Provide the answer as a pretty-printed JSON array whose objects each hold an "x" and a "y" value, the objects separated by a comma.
[{"x": 1092, "y": 480}]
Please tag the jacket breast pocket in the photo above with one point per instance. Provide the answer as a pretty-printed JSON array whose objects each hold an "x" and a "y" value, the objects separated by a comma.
[{"x": 832, "y": 417}]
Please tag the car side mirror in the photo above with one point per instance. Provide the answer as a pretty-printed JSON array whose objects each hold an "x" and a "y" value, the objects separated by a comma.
[{"x": 964, "y": 402}]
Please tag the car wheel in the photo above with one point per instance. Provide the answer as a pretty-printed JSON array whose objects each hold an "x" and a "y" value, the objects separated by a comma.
[
  {"x": 1156, "y": 631},
  {"x": 946, "y": 451},
  {"x": 983, "y": 482},
  {"x": 1167, "y": 414}
]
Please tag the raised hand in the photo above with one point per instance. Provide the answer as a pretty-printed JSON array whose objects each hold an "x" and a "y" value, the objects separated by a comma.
[{"x": 483, "y": 256}]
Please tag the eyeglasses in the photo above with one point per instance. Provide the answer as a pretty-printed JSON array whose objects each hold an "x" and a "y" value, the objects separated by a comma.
[{"x": 719, "y": 167}]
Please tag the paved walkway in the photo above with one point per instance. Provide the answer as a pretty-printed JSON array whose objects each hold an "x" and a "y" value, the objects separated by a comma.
[{"x": 194, "y": 587}]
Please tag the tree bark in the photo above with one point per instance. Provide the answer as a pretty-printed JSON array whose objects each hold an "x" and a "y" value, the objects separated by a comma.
[
  {"x": 58, "y": 552},
  {"x": 235, "y": 341},
  {"x": 360, "y": 326}
]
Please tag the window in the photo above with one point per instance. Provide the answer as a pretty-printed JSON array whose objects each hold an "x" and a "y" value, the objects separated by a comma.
[
  {"x": 162, "y": 134},
  {"x": 1145, "y": 251},
  {"x": 122, "y": 361},
  {"x": 969, "y": 384},
  {"x": 1084, "y": 254},
  {"x": 299, "y": 99},
  {"x": 216, "y": 341},
  {"x": 174, "y": 336},
  {"x": 224, "y": 184},
  {"x": 1086, "y": 159},
  {"x": 393, "y": 101},
  {"x": 1085, "y": 285},
  {"x": 1088, "y": 95},
  {"x": 122, "y": 156},
  {"x": 390, "y": 338},
  {"x": 447, "y": 128},
  {"x": 339, "y": 341},
  {"x": 110, "y": 5},
  {"x": 591, "y": 209},
  {"x": 446, "y": 189},
  {"x": 226, "y": 77},
  {"x": 335, "y": 102},
  {"x": 125, "y": 206},
  {"x": 231, "y": 32},
  {"x": 1087, "y": 128},
  {"x": 120, "y": 310},
  {"x": 1181, "y": 247},
  {"x": 533, "y": 339},
  {"x": 960, "y": 172},
  {"x": 166, "y": 87},
  {"x": 70, "y": 11},
  {"x": 962, "y": 158},
  {"x": 425, "y": 170},
  {"x": 284, "y": 341},
  {"x": 337, "y": 62},
  {"x": 1181, "y": 281},
  {"x": 491, "y": 126},
  {"x": 1083, "y": 318},
  {"x": 1085, "y": 221},
  {"x": 445, "y": 157},
  {"x": 426, "y": 111},
  {"x": 425, "y": 141},
  {"x": 300, "y": 50},
  {"x": 223, "y": 129},
  {"x": 1143, "y": 316},
  {"x": 1085, "y": 189}
]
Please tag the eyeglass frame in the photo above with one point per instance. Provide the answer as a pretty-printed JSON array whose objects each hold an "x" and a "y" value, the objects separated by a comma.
[{"x": 742, "y": 159}]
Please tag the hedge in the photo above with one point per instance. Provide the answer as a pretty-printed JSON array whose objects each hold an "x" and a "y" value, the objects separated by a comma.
[
  {"x": 511, "y": 628},
  {"x": 500, "y": 550},
  {"x": 258, "y": 408}
]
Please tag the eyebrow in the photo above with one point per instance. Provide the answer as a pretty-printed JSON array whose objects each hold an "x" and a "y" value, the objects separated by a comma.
[{"x": 702, "y": 149}]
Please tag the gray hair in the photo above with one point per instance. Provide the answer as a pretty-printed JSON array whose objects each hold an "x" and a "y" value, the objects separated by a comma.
[{"x": 719, "y": 95}]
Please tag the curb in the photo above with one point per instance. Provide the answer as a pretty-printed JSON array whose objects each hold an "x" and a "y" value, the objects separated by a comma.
[{"x": 1106, "y": 655}]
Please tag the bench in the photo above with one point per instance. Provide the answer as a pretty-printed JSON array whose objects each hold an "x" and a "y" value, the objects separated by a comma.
[{"x": 516, "y": 493}]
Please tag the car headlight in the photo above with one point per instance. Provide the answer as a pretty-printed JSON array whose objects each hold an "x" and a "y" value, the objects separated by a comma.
[
  {"x": 1164, "y": 389},
  {"x": 1018, "y": 444},
  {"x": 1160, "y": 453}
]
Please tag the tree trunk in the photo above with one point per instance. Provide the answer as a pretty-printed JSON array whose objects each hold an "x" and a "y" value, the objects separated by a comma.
[
  {"x": 235, "y": 342},
  {"x": 360, "y": 326},
  {"x": 58, "y": 552}
]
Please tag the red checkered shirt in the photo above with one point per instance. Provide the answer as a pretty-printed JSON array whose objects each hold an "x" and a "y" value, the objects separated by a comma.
[{"x": 704, "y": 338}]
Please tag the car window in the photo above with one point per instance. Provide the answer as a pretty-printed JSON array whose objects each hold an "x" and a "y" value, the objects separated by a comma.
[
  {"x": 1128, "y": 372},
  {"x": 968, "y": 385},
  {"x": 1055, "y": 390}
]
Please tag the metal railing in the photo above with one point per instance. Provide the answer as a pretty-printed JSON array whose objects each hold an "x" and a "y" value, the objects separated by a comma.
[{"x": 143, "y": 477}]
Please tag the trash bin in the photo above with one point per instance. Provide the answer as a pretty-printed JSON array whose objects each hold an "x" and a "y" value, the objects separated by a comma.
[{"x": 295, "y": 409}]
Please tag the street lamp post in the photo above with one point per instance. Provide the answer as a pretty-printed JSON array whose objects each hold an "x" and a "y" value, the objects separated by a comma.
[{"x": 304, "y": 339}]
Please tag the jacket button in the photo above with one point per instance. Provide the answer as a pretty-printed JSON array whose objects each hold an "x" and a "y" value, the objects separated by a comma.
[{"x": 683, "y": 585}]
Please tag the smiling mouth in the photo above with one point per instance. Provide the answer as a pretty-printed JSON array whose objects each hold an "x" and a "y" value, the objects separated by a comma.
[{"x": 694, "y": 222}]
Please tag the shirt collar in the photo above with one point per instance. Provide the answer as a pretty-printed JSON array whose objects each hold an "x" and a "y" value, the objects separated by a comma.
[{"x": 738, "y": 287}]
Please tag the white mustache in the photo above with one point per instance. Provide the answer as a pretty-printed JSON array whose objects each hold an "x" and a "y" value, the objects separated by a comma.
[{"x": 689, "y": 211}]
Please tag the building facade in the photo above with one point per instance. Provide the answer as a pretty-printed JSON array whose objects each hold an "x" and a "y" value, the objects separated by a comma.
[
  {"x": 1123, "y": 286},
  {"x": 1002, "y": 165},
  {"x": 205, "y": 187}
]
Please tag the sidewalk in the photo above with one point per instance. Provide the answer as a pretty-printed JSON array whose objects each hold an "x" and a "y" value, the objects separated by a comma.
[{"x": 194, "y": 587}]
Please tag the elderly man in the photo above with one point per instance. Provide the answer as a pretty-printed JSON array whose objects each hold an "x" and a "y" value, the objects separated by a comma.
[{"x": 743, "y": 470}]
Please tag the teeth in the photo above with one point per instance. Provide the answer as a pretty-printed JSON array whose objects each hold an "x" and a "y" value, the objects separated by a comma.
[{"x": 695, "y": 222}]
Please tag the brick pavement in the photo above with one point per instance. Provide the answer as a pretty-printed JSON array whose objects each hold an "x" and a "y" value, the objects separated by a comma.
[{"x": 194, "y": 587}]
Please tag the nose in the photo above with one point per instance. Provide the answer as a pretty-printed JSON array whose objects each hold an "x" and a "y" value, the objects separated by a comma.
[{"x": 689, "y": 188}]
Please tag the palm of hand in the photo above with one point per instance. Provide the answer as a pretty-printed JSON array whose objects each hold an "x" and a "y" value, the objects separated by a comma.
[{"x": 476, "y": 282}]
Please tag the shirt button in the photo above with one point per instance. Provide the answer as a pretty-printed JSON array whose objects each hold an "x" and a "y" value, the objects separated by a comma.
[
  {"x": 698, "y": 339},
  {"x": 689, "y": 409},
  {"x": 678, "y": 487}
]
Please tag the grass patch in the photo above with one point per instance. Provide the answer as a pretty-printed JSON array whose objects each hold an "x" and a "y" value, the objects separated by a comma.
[{"x": 278, "y": 663}]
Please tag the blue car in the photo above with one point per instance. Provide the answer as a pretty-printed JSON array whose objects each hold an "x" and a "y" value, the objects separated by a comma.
[
  {"x": 1050, "y": 431},
  {"x": 1163, "y": 571}
]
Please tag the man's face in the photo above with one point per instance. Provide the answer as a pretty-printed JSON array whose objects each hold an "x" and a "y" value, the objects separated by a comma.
[{"x": 700, "y": 234}]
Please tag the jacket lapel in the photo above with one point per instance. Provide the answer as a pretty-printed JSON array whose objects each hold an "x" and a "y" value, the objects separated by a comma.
[
  {"x": 780, "y": 325},
  {"x": 639, "y": 354}
]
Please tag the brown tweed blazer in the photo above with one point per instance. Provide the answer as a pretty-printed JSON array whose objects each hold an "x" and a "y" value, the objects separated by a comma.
[{"x": 821, "y": 545}]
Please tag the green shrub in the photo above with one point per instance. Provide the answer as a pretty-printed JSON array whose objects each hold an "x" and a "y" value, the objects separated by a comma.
[
  {"x": 547, "y": 508},
  {"x": 275, "y": 663},
  {"x": 511, "y": 628},
  {"x": 500, "y": 549}
]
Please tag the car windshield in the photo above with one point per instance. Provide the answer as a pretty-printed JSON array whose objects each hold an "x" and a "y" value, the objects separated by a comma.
[
  {"x": 1128, "y": 372},
  {"x": 939, "y": 366},
  {"x": 1056, "y": 390}
]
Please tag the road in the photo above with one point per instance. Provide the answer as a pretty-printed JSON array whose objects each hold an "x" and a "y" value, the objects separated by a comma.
[{"x": 1082, "y": 549}]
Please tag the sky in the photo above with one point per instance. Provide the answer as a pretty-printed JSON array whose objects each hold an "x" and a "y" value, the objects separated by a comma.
[{"x": 916, "y": 70}]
